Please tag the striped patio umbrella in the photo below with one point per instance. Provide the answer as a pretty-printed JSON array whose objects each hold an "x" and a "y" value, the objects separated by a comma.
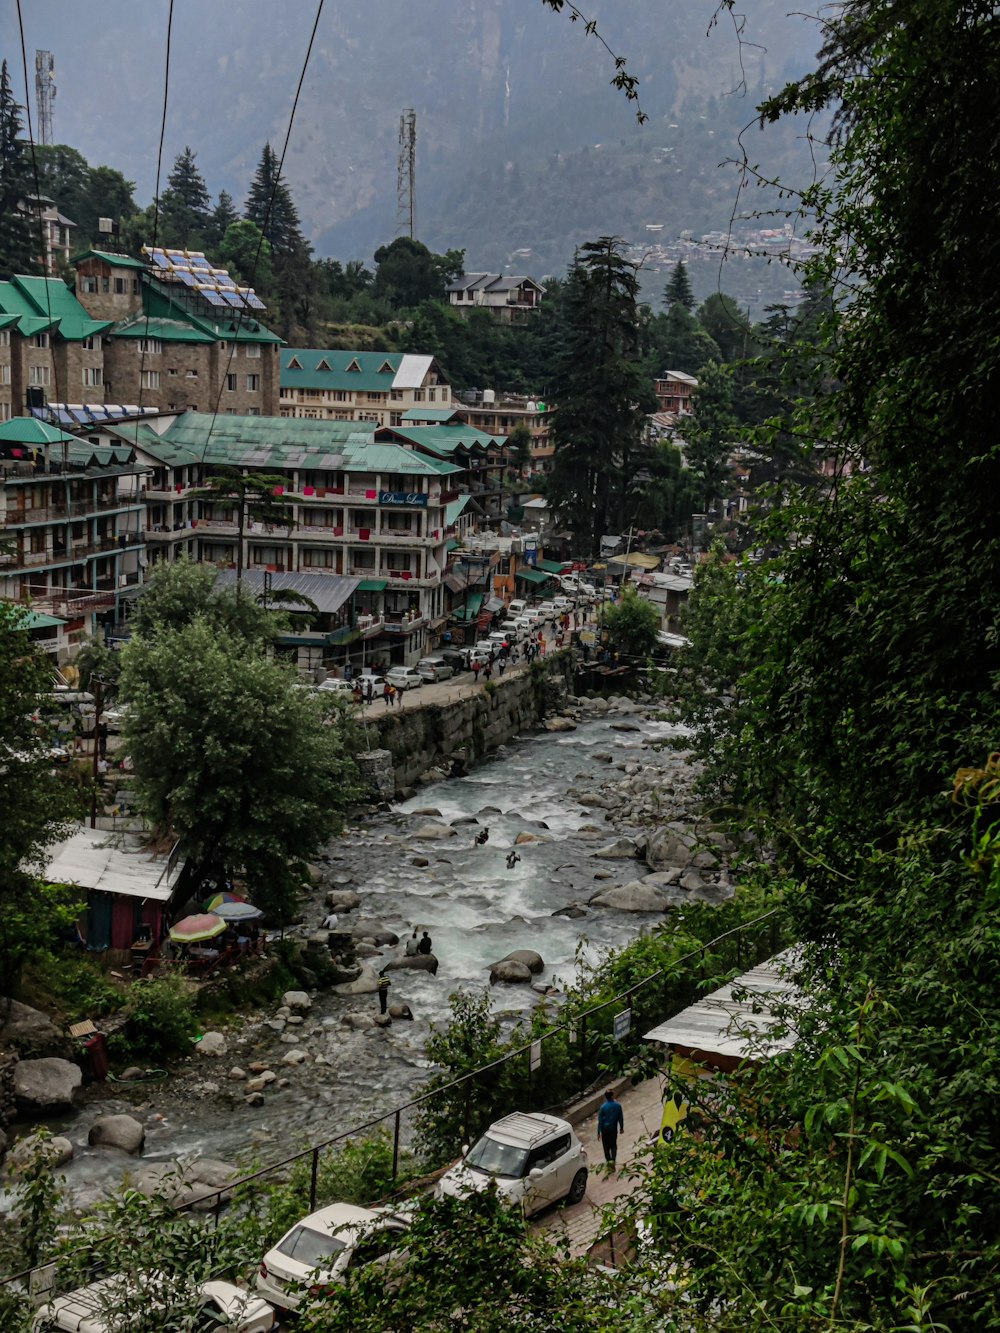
[
  {"x": 217, "y": 899},
  {"x": 237, "y": 911},
  {"x": 201, "y": 926}
]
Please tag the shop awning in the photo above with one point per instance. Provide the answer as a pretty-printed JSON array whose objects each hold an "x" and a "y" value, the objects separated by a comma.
[
  {"x": 37, "y": 619},
  {"x": 471, "y": 607},
  {"x": 494, "y": 604},
  {"x": 532, "y": 576},
  {"x": 551, "y": 566},
  {"x": 372, "y": 585}
]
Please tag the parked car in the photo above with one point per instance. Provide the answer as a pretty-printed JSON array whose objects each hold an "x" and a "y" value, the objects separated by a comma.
[
  {"x": 115, "y": 718},
  {"x": 404, "y": 677},
  {"x": 563, "y": 604},
  {"x": 524, "y": 624},
  {"x": 477, "y": 654},
  {"x": 517, "y": 607},
  {"x": 332, "y": 685},
  {"x": 457, "y": 658},
  {"x": 435, "y": 668},
  {"x": 91, "y": 1309},
  {"x": 511, "y": 630},
  {"x": 534, "y": 1159},
  {"x": 321, "y": 1248}
]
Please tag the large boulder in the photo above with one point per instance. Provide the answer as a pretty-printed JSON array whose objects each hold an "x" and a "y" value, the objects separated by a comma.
[
  {"x": 117, "y": 1131},
  {"x": 559, "y": 724},
  {"x": 522, "y": 838},
  {"x": 45, "y": 1085},
  {"x": 30, "y": 1031},
  {"x": 636, "y": 896},
  {"x": 56, "y": 1151},
  {"x": 428, "y": 812},
  {"x": 620, "y": 848},
  {"x": 212, "y": 1045},
  {"x": 366, "y": 983},
  {"x": 666, "y": 849},
  {"x": 433, "y": 832},
  {"x": 419, "y": 962},
  {"x": 189, "y": 1185},
  {"x": 297, "y": 1000},
  {"x": 343, "y": 900},
  {"x": 532, "y": 961},
  {"x": 367, "y": 929},
  {"x": 510, "y": 973},
  {"x": 401, "y": 1011}
]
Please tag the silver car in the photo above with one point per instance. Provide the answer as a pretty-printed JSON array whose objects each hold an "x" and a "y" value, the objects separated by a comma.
[{"x": 434, "y": 669}]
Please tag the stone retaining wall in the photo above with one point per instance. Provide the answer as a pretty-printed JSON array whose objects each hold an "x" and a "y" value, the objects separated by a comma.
[{"x": 461, "y": 732}]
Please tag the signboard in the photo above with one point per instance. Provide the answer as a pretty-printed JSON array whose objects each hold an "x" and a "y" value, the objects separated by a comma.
[
  {"x": 535, "y": 1056},
  {"x": 530, "y": 553},
  {"x": 623, "y": 1024},
  {"x": 588, "y": 636},
  {"x": 571, "y": 1034},
  {"x": 418, "y": 498}
]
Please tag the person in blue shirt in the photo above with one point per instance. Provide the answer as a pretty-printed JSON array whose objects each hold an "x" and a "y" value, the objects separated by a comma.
[{"x": 609, "y": 1121}]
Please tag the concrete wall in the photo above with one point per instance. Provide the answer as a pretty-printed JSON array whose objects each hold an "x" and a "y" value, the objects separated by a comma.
[{"x": 466, "y": 730}]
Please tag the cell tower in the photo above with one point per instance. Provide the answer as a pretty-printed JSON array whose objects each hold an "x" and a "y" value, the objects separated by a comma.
[
  {"x": 406, "y": 175},
  {"x": 45, "y": 94}
]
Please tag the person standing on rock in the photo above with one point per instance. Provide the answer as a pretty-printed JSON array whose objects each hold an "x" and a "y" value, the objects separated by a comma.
[
  {"x": 424, "y": 947},
  {"x": 383, "y": 992},
  {"x": 609, "y": 1121}
]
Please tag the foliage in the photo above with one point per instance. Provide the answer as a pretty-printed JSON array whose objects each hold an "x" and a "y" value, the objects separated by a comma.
[
  {"x": 632, "y": 625},
  {"x": 73, "y": 986},
  {"x": 84, "y": 193},
  {"x": 183, "y": 591},
  {"x": 710, "y": 434},
  {"x": 184, "y": 205},
  {"x": 160, "y": 1019},
  {"x": 256, "y": 497},
  {"x": 246, "y": 253},
  {"x": 36, "y": 803},
  {"x": 678, "y": 289},
  {"x": 598, "y": 429},
  {"x": 18, "y": 247},
  {"x": 270, "y": 205},
  {"x": 408, "y": 274},
  {"x": 250, "y": 773}
]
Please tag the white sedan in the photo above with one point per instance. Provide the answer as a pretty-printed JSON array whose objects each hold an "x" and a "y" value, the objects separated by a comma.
[
  {"x": 321, "y": 1248},
  {"x": 92, "y": 1309}
]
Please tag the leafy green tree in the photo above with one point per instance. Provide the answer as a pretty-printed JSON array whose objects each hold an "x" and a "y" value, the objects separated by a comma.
[
  {"x": 408, "y": 274},
  {"x": 82, "y": 192},
  {"x": 678, "y": 289},
  {"x": 223, "y": 215},
  {"x": 600, "y": 391},
  {"x": 19, "y": 248},
  {"x": 183, "y": 591},
  {"x": 247, "y": 254},
  {"x": 232, "y": 759},
  {"x": 519, "y": 447},
  {"x": 728, "y": 326},
  {"x": 669, "y": 495},
  {"x": 36, "y": 804},
  {"x": 710, "y": 434},
  {"x": 632, "y": 625}
]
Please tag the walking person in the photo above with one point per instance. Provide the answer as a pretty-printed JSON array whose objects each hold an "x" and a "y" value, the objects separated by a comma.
[
  {"x": 502, "y": 666},
  {"x": 609, "y": 1121},
  {"x": 383, "y": 992},
  {"x": 370, "y": 689},
  {"x": 477, "y": 666},
  {"x": 387, "y": 694}
]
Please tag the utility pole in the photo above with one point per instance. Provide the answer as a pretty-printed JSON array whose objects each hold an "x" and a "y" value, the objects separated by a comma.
[
  {"x": 406, "y": 175},
  {"x": 45, "y": 94},
  {"x": 98, "y": 684}
]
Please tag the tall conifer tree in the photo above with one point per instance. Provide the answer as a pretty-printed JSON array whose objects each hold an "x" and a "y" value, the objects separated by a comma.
[
  {"x": 18, "y": 247},
  {"x": 270, "y": 205}
]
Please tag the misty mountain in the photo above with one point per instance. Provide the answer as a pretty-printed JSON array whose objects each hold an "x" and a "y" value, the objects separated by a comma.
[{"x": 521, "y": 141}]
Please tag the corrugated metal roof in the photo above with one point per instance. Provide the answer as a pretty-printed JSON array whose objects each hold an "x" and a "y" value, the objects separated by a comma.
[
  {"x": 442, "y": 440},
  {"x": 116, "y": 261},
  {"x": 373, "y": 372},
  {"x": 165, "y": 330},
  {"x": 433, "y": 415},
  {"x": 452, "y": 511},
  {"x": 389, "y": 457},
  {"x": 328, "y": 591},
  {"x": 110, "y": 863},
  {"x": 736, "y": 1020},
  {"x": 412, "y": 372},
  {"x": 51, "y": 298}
]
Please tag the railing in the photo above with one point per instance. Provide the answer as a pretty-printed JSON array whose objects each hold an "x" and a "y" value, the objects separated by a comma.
[{"x": 575, "y": 1029}]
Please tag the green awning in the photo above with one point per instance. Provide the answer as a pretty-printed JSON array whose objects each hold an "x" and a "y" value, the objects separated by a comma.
[
  {"x": 550, "y": 566},
  {"x": 533, "y": 576},
  {"x": 471, "y": 609},
  {"x": 38, "y": 620},
  {"x": 372, "y": 585},
  {"x": 451, "y": 546}
]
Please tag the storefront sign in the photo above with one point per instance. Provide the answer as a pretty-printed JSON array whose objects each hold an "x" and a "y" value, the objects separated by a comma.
[{"x": 417, "y": 498}]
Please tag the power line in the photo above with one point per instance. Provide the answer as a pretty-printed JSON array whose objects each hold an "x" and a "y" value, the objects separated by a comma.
[
  {"x": 267, "y": 217},
  {"x": 156, "y": 196}
]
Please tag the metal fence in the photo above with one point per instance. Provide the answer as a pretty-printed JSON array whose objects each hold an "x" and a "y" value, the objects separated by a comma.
[{"x": 580, "y": 1031}]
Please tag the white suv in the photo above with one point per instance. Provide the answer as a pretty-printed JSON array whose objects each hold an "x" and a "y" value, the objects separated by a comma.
[{"x": 534, "y": 1159}]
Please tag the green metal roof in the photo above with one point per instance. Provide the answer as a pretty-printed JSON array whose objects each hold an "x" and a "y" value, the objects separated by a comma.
[
  {"x": 453, "y": 510},
  {"x": 374, "y": 374},
  {"x": 451, "y": 545},
  {"x": 116, "y": 261},
  {"x": 160, "y": 304},
  {"x": 35, "y": 619},
  {"x": 165, "y": 330},
  {"x": 51, "y": 299},
  {"x": 441, "y": 440},
  {"x": 429, "y": 414},
  {"x": 551, "y": 566},
  {"x": 370, "y": 457},
  {"x": 532, "y": 576},
  {"x": 372, "y": 585},
  {"x": 14, "y": 302}
]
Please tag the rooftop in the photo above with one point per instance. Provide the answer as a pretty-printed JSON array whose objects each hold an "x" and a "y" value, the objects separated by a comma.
[{"x": 364, "y": 372}]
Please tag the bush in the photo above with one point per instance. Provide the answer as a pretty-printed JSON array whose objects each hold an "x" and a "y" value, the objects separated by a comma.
[{"x": 161, "y": 1019}]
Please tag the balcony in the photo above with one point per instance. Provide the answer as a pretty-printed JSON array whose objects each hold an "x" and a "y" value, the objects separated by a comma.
[
  {"x": 403, "y": 624},
  {"x": 75, "y": 512}
]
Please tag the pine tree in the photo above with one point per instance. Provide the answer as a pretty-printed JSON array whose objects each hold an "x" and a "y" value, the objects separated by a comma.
[
  {"x": 185, "y": 216},
  {"x": 270, "y": 205},
  {"x": 187, "y": 182},
  {"x": 18, "y": 247},
  {"x": 223, "y": 215},
  {"x": 678, "y": 289},
  {"x": 600, "y": 391}
]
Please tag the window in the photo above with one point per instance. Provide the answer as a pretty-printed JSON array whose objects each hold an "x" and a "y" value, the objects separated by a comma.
[
  {"x": 105, "y": 284},
  {"x": 150, "y": 379},
  {"x": 90, "y": 344},
  {"x": 4, "y": 411},
  {"x": 149, "y": 346},
  {"x": 252, "y": 383},
  {"x": 88, "y": 285},
  {"x": 354, "y": 366},
  {"x": 340, "y": 396},
  {"x": 223, "y": 347},
  {"x": 191, "y": 374},
  {"x": 121, "y": 286},
  {"x": 253, "y": 352},
  {"x": 39, "y": 340},
  {"x": 231, "y": 383},
  {"x": 323, "y": 364},
  {"x": 294, "y": 364},
  {"x": 431, "y": 395},
  {"x": 4, "y": 374},
  {"x": 135, "y": 286},
  {"x": 38, "y": 374},
  {"x": 396, "y": 395},
  {"x": 253, "y": 411},
  {"x": 418, "y": 395},
  {"x": 92, "y": 377}
]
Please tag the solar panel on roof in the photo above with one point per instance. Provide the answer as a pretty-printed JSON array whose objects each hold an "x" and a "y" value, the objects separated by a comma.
[
  {"x": 79, "y": 416},
  {"x": 255, "y": 303},
  {"x": 185, "y": 276},
  {"x": 198, "y": 261},
  {"x": 159, "y": 259},
  {"x": 232, "y": 298},
  {"x": 224, "y": 280},
  {"x": 212, "y": 296}
]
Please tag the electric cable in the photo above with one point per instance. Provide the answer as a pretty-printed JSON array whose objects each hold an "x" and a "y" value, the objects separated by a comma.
[{"x": 156, "y": 194}]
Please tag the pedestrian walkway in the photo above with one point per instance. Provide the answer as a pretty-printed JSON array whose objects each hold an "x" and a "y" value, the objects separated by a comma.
[{"x": 581, "y": 1225}]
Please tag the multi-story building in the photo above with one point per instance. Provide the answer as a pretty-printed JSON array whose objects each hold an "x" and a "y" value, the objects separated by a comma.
[
  {"x": 499, "y": 413},
  {"x": 506, "y": 298},
  {"x": 675, "y": 392},
  {"x": 54, "y": 232},
  {"x": 72, "y": 535},
  {"x": 49, "y": 346},
  {"x": 184, "y": 336},
  {"x": 374, "y": 512},
  {"x": 479, "y": 459},
  {"x": 377, "y": 387}
]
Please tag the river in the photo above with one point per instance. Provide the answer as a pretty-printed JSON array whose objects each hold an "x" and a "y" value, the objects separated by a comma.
[{"x": 476, "y": 911}]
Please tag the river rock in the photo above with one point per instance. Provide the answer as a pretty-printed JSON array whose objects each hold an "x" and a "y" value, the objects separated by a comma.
[
  {"x": 255, "y": 1098},
  {"x": 522, "y": 838},
  {"x": 632, "y": 897},
  {"x": 339, "y": 975},
  {"x": 260, "y": 1081},
  {"x": 464, "y": 819},
  {"x": 296, "y": 1056},
  {"x": 296, "y": 1000},
  {"x": 433, "y": 832},
  {"x": 400, "y": 1011},
  {"x": 343, "y": 900},
  {"x": 419, "y": 861},
  {"x": 49, "y": 1084},
  {"x": 665, "y": 848},
  {"x": 662, "y": 879},
  {"x": 381, "y": 1021},
  {"x": 237, "y": 1074},
  {"x": 510, "y": 973},
  {"x": 31, "y": 1032},
  {"x": 574, "y": 911},
  {"x": 131, "y": 1075},
  {"x": 117, "y": 1131},
  {"x": 532, "y": 961},
  {"x": 212, "y": 1045},
  {"x": 57, "y": 1151},
  {"x": 428, "y": 811},
  {"x": 365, "y": 984},
  {"x": 387, "y": 938},
  {"x": 490, "y": 810},
  {"x": 559, "y": 724},
  {"x": 190, "y": 1185},
  {"x": 620, "y": 848},
  {"x": 625, "y": 726},
  {"x": 421, "y": 962}
]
